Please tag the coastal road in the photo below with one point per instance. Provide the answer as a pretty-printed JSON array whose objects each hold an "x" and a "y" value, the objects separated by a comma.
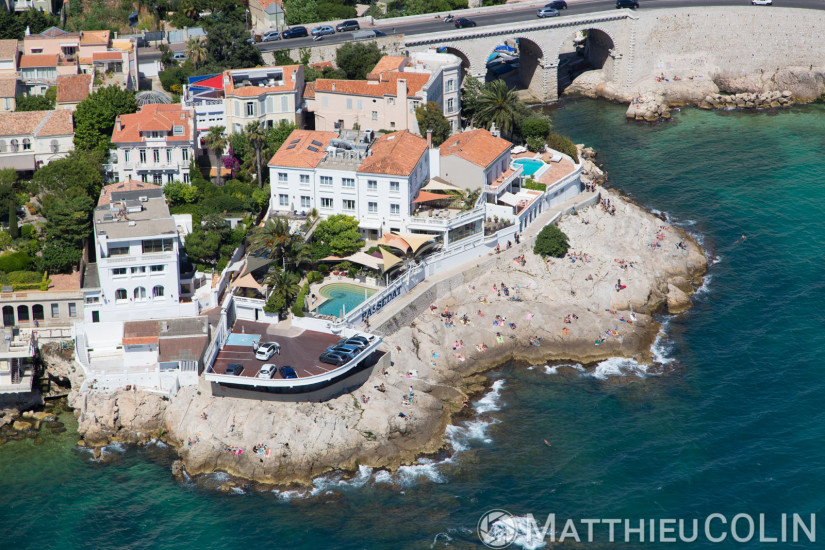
[{"x": 527, "y": 13}]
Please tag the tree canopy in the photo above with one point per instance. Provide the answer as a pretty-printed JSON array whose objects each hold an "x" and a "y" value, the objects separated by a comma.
[
  {"x": 340, "y": 234},
  {"x": 79, "y": 169},
  {"x": 551, "y": 241},
  {"x": 357, "y": 59},
  {"x": 33, "y": 103},
  {"x": 430, "y": 117},
  {"x": 94, "y": 119}
]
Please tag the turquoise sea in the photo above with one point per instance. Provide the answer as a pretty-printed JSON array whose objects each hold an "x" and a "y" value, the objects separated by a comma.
[{"x": 735, "y": 425}]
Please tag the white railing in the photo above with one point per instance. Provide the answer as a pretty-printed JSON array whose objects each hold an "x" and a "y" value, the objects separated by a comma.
[
  {"x": 252, "y": 302},
  {"x": 507, "y": 181},
  {"x": 459, "y": 219}
]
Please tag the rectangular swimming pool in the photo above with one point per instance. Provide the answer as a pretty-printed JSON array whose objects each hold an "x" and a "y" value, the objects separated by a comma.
[{"x": 529, "y": 166}]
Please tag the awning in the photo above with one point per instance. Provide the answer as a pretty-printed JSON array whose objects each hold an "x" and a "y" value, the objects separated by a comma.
[
  {"x": 369, "y": 224},
  {"x": 416, "y": 240},
  {"x": 426, "y": 196},
  {"x": 248, "y": 281},
  {"x": 390, "y": 259},
  {"x": 365, "y": 259},
  {"x": 331, "y": 259},
  {"x": 438, "y": 184},
  {"x": 224, "y": 172},
  {"x": 394, "y": 241},
  {"x": 18, "y": 162},
  {"x": 509, "y": 198},
  {"x": 254, "y": 263}
]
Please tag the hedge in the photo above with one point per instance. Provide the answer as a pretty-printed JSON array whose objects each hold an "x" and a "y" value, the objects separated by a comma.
[
  {"x": 564, "y": 145},
  {"x": 298, "y": 306},
  {"x": 15, "y": 261},
  {"x": 534, "y": 185},
  {"x": 26, "y": 280}
]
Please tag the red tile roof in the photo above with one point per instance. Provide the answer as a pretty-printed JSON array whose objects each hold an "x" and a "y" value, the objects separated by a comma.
[
  {"x": 8, "y": 87},
  {"x": 95, "y": 37},
  {"x": 58, "y": 123},
  {"x": 266, "y": 3},
  {"x": 394, "y": 154},
  {"x": 321, "y": 65},
  {"x": 38, "y": 60},
  {"x": 373, "y": 88},
  {"x": 386, "y": 64},
  {"x": 295, "y": 152},
  {"x": 153, "y": 118},
  {"x": 8, "y": 49},
  {"x": 477, "y": 146},
  {"x": 309, "y": 89},
  {"x": 73, "y": 88},
  {"x": 107, "y": 56},
  {"x": 128, "y": 185}
]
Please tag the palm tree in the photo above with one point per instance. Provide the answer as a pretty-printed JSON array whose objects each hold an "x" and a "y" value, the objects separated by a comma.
[
  {"x": 189, "y": 9},
  {"x": 497, "y": 104},
  {"x": 274, "y": 237},
  {"x": 196, "y": 50},
  {"x": 285, "y": 284},
  {"x": 257, "y": 137},
  {"x": 215, "y": 142}
]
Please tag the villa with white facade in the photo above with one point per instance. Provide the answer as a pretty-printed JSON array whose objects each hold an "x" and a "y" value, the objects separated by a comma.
[{"x": 31, "y": 139}]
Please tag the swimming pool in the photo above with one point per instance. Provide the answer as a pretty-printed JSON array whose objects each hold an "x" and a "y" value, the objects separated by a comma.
[
  {"x": 340, "y": 296},
  {"x": 530, "y": 166}
]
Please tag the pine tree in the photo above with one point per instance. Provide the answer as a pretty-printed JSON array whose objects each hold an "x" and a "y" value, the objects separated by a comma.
[{"x": 13, "y": 231}]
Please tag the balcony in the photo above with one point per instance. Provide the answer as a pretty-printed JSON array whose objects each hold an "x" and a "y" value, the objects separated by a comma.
[{"x": 504, "y": 180}]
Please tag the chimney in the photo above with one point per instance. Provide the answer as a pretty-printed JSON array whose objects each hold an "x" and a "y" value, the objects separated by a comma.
[
  {"x": 429, "y": 139},
  {"x": 118, "y": 125}
]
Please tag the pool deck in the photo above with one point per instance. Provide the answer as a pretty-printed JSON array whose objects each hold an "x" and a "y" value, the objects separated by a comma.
[{"x": 315, "y": 288}]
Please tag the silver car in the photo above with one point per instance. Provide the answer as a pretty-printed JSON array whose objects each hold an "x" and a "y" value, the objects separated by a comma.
[{"x": 267, "y": 371}]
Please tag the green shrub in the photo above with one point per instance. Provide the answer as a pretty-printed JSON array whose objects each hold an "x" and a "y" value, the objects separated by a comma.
[
  {"x": 23, "y": 277},
  {"x": 298, "y": 306},
  {"x": 563, "y": 144},
  {"x": 535, "y": 143},
  {"x": 275, "y": 303},
  {"x": 314, "y": 277},
  {"x": 535, "y": 126},
  {"x": 551, "y": 241},
  {"x": 323, "y": 269},
  {"x": 222, "y": 263},
  {"x": 27, "y": 232},
  {"x": 14, "y": 261}
]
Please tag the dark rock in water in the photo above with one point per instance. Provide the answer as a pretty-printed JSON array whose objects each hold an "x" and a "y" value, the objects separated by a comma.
[
  {"x": 55, "y": 424},
  {"x": 38, "y": 440},
  {"x": 59, "y": 430},
  {"x": 32, "y": 435},
  {"x": 3, "y": 441},
  {"x": 17, "y": 437},
  {"x": 97, "y": 452},
  {"x": 178, "y": 470}
]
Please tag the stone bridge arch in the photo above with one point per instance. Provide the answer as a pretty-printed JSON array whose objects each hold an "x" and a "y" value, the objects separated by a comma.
[{"x": 599, "y": 52}]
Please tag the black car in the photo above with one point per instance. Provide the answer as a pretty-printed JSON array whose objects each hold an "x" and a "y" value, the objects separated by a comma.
[
  {"x": 557, "y": 5},
  {"x": 351, "y": 25},
  {"x": 363, "y": 340},
  {"x": 295, "y": 32},
  {"x": 333, "y": 358},
  {"x": 463, "y": 22},
  {"x": 234, "y": 369},
  {"x": 626, "y": 4},
  {"x": 287, "y": 372}
]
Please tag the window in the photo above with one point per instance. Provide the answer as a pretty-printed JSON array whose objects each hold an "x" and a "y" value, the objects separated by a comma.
[
  {"x": 118, "y": 250},
  {"x": 144, "y": 178},
  {"x": 450, "y": 85},
  {"x": 326, "y": 202},
  {"x": 284, "y": 103},
  {"x": 349, "y": 104},
  {"x": 157, "y": 245},
  {"x": 359, "y": 105},
  {"x": 450, "y": 105},
  {"x": 392, "y": 124},
  {"x": 394, "y": 187},
  {"x": 27, "y": 144},
  {"x": 126, "y": 155},
  {"x": 283, "y": 200},
  {"x": 157, "y": 268},
  {"x": 304, "y": 178},
  {"x": 250, "y": 108},
  {"x": 73, "y": 308},
  {"x": 282, "y": 177},
  {"x": 140, "y": 294},
  {"x": 157, "y": 292},
  {"x": 375, "y": 115},
  {"x": 305, "y": 202},
  {"x": 156, "y": 155},
  {"x": 348, "y": 182},
  {"x": 119, "y": 271},
  {"x": 349, "y": 204},
  {"x": 170, "y": 178},
  {"x": 372, "y": 207},
  {"x": 7, "y": 103},
  {"x": 55, "y": 311},
  {"x": 185, "y": 153},
  {"x": 177, "y": 130},
  {"x": 157, "y": 179},
  {"x": 140, "y": 270},
  {"x": 169, "y": 156},
  {"x": 326, "y": 180},
  {"x": 120, "y": 295},
  {"x": 372, "y": 185},
  {"x": 15, "y": 145},
  {"x": 390, "y": 101},
  {"x": 395, "y": 209},
  {"x": 143, "y": 156}
]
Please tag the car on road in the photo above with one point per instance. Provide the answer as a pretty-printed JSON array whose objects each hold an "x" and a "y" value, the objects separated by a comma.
[
  {"x": 267, "y": 350},
  {"x": 267, "y": 371},
  {"x": 548, "y": 12},
  {"x": 333, "y": 358},
  {"x": 626, "y": 4},
  {"x": 294, "y": 32},
  {"x": 346, "y": 26},
  {"x": 288, "y": 372},
  {"x": 761, "y": 2},
  {"x": 234, "y": 369},
  {"x": 323, "y": 30},
  {"x": 270, "y": 36},
  {"x": 557, "y": 5},
  {"x": 463, "y": 22},
  {"x": 179, "y": 56}
]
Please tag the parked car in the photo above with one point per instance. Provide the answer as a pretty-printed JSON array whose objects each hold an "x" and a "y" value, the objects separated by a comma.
[
  {"x": 346, "y": 26},
  {"x": 348, "y": 351},
  {"x": 626, "y": 4},
  {"x": 179, "y": 56},
  {"x": 333, "y": 358},
  {"x": 267, "y": 350},
  {"x": 234, "y": 369},
  {"x": 268, "y": 370},
  {"x": 547, "y": 12},
  {"x": 463, "y": 22},
  {"x": 288, "y": 372},
  {"x": 557, "y": 5},
  {"x": 323, "y": 30},
  {"x": 762, "y": 2},
  {"x": 356, "y": 343},
  {"x": 295, "y": 32},
  {"x": 358, "y": 338},
  {"x": 269, "y": 36}
]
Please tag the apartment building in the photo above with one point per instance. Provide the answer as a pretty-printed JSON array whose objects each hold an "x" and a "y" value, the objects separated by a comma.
[
  {"x": 9, "y": 55},
  {"x": 8, "y": 94},
  {"x": 137, "y": 243},
  {"x": 31, "y": 139},
  {"x": 71, "y": 90},
  {"x": 387, "y": 99},
  {"x": 156, "y": 145},
  {"x": 267, "y": 14}
]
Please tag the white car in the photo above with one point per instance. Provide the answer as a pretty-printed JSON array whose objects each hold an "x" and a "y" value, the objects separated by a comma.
[
  {"x": 267, "y": 371},
  {"x": 267, "y": 350},
  {"x": 761, "y": 2}
]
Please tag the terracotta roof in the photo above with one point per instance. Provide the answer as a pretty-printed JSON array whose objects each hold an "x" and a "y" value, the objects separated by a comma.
[
  {"x": 8, "y": 87},
  {"x": 374, "y": 88},
  {"x": 107, "y": 56},
  {"x": 8, "y": 49},
  {"x": 395, "y": 154},
  {"x": 181, "y": 348},
  {"x": 38, "y": 123},
  {"x": 54, "y": 32},
  {"x": 266, "y": 3},
  {"x": 38, "y": 60},
  {"x": 128, "y": 185},
  {"x": 477, "y": 146},
  {"x": 95, "y": 37},
  {"x": 386, "y": 64},
  {"x": 251, "y": 91},
  {"x": 321, "y": 65},
  {"x": 73, "y": 88},
  {"x": 295, "y": 152},
  {"x": 139, "y": 340},
  {"x": 309, "y": 89},
  {"x": 141, "y": 329},
  {"x": 153, "y": 118}
]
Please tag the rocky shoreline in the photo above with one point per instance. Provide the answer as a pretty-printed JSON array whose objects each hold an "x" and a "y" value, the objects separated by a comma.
[{"x": 570, "y": 307}]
